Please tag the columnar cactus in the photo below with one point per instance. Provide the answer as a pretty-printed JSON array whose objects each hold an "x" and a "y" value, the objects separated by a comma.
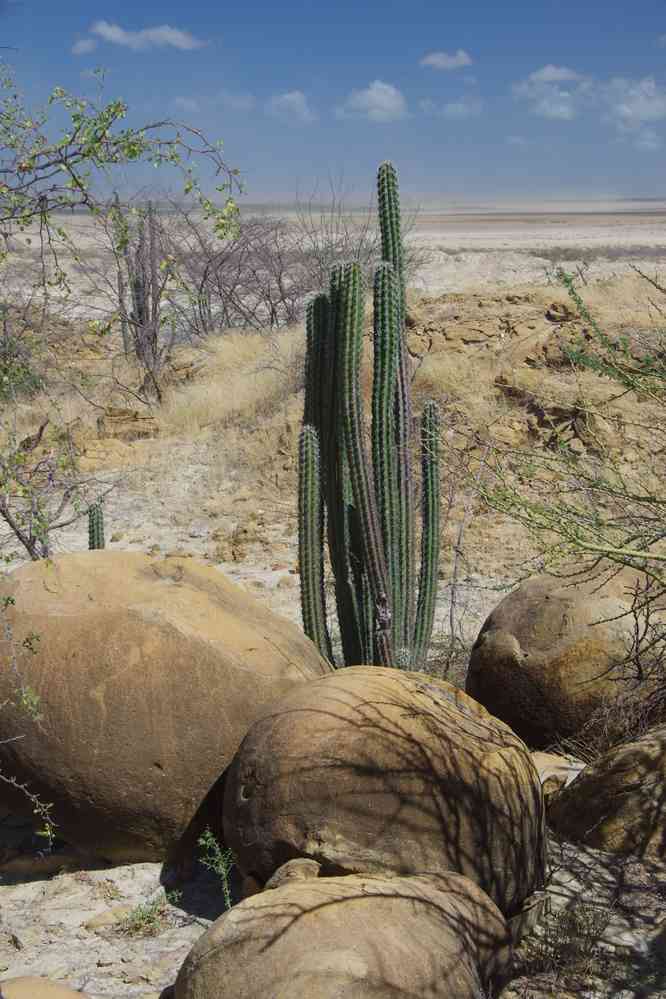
[
  {"x": 363, "y": 504},
  {"x": 95, "y": 526}
]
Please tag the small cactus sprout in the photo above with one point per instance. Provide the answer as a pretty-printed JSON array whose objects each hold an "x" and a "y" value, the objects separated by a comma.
[
  {"x": 360, "y": 499},
  {"x": 95, "y": 526}
]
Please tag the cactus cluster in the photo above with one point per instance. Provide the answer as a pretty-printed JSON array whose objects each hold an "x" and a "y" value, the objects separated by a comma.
[
  {"x": 95, "y": 526},
  {"x": 360, "y": 501}
]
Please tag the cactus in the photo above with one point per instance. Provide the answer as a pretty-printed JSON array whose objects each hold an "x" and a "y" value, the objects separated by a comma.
[
  {"x": 363, "y": 504},
  {"x": 95, "y": 526}
]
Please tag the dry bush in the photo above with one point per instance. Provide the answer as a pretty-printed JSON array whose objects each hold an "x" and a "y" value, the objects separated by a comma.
[{"x": 566, "y": 944}]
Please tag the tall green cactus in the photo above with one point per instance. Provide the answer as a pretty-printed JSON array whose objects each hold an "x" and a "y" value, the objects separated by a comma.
[
  {"x": 361, "y": 503},
  {"x": 95, "y": 526}
]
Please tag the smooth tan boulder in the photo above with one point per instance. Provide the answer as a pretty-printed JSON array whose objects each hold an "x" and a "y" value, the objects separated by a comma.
[
  {"x": 387, "y": 772},
  {"x": 355, "y": 937},
  {"x": 149, "y": 672},
  {"x": 36, "y": 988},
  {"x": 618, "y": 803},
  {"x": 549, "y": 655}
]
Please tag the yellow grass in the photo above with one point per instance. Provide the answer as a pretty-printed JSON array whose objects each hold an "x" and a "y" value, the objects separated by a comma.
[{"x": 244, "y": 378}]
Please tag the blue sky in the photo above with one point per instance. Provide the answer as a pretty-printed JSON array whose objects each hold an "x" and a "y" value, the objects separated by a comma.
[{"x": 470, "y": 100}]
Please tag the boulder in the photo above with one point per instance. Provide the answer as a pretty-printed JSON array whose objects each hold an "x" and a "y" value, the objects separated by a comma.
[
  {"x": 354, "y": 937},
  {"x": 383, "y": 771},
  {"x": 32, "y": 987},
  {"x": 549, "y": 656},
  {"x": 618, "y": 803},
  {"x": 149, "y": 672}
]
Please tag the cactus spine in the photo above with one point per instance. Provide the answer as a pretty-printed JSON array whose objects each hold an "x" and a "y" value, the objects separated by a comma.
[
  {"x": 364, "y": 503},
  {"x": 95, "y": 526}
]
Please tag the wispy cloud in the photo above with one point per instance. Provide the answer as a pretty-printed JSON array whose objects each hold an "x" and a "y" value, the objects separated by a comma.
[
  {"x": 235, "y": 102},
  {"x": 466, "y": 107},
  {"x": 189, "y": 104},
  {"x": 222, "y": 99},
  {"x": 379, "y": 102},
  {"x": 147, "y": 38},
  {"x": 554, "y": 74},
  {"x": 634, "y": 106},
  {"x": 554, "y": 92},
  {"x": 648, "y": 140},
  {"x": 517, "y": 140},
  {"x": 291, "y": 107},
  {"x": 84, "y": 46},
  {"x": 446, "y": 61},
  {"x": 634, "y": 102}
]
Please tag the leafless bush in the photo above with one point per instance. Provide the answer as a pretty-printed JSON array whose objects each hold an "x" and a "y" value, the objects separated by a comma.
[{"x": 263, "y": 274}]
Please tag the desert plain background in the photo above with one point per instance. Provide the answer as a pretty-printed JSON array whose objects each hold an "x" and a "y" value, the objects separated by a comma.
[{"x": 216, "y": 476}]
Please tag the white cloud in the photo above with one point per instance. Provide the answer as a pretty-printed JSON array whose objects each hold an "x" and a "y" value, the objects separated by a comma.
[
  {"x": 630, "y": 106},
  {"x": 189, "y": 104},
  {"x": 554, "y": 92},
  {"x": 380, "y": 102},
  {"x": 661, "y": 40},
  {"x": 84, "y": 45},
  {"x": 291, "y": 107},
  {"x": 517, "y": 140},
  {"x": 442, "y": 60},
  {"x": 466, "y": 107},
  {"x": 147, "y": 38}
]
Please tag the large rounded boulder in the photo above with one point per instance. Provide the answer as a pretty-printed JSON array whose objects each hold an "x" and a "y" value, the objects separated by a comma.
[
  {"x": 382, "y": 771},
  {"x": 618, "y": 803},
  {"x": 148, "y": 673},
  {"x": 551, "y": 655},
  {"x": 354, "y": 937}
]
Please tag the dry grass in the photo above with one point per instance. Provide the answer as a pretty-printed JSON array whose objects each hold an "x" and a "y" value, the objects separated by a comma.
[
  {"x": 244, "y": 380},
  {"x": 464, "y": 382}
]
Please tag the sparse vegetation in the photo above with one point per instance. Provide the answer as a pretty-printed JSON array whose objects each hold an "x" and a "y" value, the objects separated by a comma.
[
  {"x": 567, "y": 943},
  {"x": 149, "y": 919},
  {"x": 220, "y": 860}
]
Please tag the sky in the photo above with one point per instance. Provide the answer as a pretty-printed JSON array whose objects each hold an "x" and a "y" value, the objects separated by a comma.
[{"x": 471, "y": 101}]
